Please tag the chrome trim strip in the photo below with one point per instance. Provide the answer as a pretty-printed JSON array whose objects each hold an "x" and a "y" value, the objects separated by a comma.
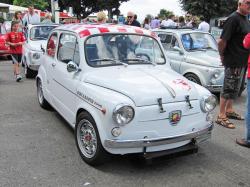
[{"x": 206, "y": 132}]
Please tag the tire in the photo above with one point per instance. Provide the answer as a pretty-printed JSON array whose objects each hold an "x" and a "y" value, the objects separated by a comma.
[
  {"x": 94, "y": 154},
  {"x": 192, "y": 77},
  {"x": 29, "y": 73},
  {"x": 41, "y": 100}
]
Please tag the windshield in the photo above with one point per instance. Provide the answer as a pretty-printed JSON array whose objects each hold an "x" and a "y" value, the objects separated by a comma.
[
  {"x": 122, "y": 49},
  {"x": 40, "y": 32},
  {"x": 198, "y": 41}
]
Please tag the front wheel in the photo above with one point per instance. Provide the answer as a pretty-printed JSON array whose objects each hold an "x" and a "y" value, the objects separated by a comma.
[
  {"x": 193, "y": 77},
  {"x": 88, "y": 140},
  {"x": 29, "y": 73},
  {"x": 41, "y": 100}
]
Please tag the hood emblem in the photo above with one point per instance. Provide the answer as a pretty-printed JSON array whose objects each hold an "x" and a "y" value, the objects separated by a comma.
[
  {"x": 188, "y": 102},
  {"x": 183, "y": 84},
  {"x": 159, "y": 100},
  {"x": 175, "y": 117}
]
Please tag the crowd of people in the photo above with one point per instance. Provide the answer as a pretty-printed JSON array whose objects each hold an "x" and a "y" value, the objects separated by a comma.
[{"x": 171, "y": 21}]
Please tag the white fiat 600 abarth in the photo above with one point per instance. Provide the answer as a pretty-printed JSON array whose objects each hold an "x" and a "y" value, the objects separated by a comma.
[{"x": 114, "y": 86}]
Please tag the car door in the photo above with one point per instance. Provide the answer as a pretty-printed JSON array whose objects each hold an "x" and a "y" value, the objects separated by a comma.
[
  {"x": 49, "y": 63},
  {"x": 169, "y": 41},
  {"x": 64, "y": 83}
]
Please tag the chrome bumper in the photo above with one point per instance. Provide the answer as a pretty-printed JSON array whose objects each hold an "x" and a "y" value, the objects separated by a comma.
[
  {"x": 199, "y": 136},
  {"x": 34, "y": 67},
  {"x": 214, "y": 88}
]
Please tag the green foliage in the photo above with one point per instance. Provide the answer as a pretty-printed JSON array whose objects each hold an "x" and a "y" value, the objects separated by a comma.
[
  {"x": 164, "y": 13},
  {"x": 83, "y": 8},
  {"x": 39, "y": 4},
  {"x": 209, "y": 9}
]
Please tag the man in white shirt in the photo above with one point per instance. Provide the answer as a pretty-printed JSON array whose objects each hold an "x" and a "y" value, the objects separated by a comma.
[
  {"x": 31, "y": 17},
  {"x": 203, "y": 26},
  {"x": 170, "y": 22}
]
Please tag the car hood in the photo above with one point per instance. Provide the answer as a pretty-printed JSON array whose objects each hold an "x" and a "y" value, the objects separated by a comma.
[
  {"x": 144, "y": 85},
  {"x": 36, "y": 45},
  {"x": 204, "y": 58}
]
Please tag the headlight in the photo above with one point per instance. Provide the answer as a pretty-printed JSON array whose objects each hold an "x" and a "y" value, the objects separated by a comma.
[
  {"x": 208, "y": 103},
  {"x": 123, "y": 114},
  {"x": 36, "y": 56},
  {"x": 216, "y": 73}
]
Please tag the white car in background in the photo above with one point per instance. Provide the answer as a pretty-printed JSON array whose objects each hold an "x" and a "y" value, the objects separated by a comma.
[
  {"x": 36, "y": 39},
  {"x": 119, "y": 97}
]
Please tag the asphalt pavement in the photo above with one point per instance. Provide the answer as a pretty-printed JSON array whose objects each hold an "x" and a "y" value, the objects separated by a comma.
[{"x": 37, "y": 148}]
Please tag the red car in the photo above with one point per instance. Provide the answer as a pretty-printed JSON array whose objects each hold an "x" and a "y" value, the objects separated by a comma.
[{"x": 4, "y": 49}]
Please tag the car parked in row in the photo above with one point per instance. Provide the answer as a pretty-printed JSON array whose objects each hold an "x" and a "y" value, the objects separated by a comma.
[
  {"x": 119, "y": 97},
  {"x": 36, "y": 39},
  {"x": 194, "y": 54},
  {"x": 4, "y": 49}
]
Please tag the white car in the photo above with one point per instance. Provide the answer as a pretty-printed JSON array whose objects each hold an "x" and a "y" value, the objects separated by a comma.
[
  {"x": 119, "y": 99},
  {"x": 37, "y": 36}
]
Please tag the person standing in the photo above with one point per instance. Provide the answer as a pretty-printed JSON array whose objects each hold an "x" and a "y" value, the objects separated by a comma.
[
  {"x": 131, "y": 21},
  {"x": 18, "y": 18},
  {"x": 246, "y": 141},
  {"x": 101, "y": 17},
  {"x": 47, "y": 19},
  {"x": 234, "y": 57},
  {"x": 31, "y": 17},
  {"x": 203, "y": 26},
  {"x": 15, "y": 40},
  {"x": 155, "y": 23},
  {"x": 146, "y": 24},
  {"x": 169, "y": 22}
]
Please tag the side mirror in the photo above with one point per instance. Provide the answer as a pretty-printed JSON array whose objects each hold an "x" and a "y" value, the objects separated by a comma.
[
  {"x": 43, "y": 50},
  {"x": 178, "y": 49},
  {"x": 72, "y": 67}
]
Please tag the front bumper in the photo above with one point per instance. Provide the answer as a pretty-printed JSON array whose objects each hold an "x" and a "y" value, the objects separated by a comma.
[
  {"x": 34, "y": 67},
  {"x": 214, "y": 88},
  {"x": 198, "y": 136}
]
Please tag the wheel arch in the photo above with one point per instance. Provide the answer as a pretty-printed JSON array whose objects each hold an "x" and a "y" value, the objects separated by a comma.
[{"x": 196, "y": 73}]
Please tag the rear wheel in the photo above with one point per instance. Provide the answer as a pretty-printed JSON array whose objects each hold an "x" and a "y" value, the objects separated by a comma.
[
  {"x": 193, "y": 77},
  {"x": 88, "y": 140}
]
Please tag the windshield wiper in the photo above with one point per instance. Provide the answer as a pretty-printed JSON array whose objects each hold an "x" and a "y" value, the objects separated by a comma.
[
  {"x": 139, "y": 60},
  {"x": 113, "y": 61},
  {"x": 210, "y": 48},
  {"x": 197, "y": 49},
  {"x": 40, "y": 38}
]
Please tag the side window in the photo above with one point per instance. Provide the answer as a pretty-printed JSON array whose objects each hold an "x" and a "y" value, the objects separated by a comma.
[
  {"x": 165, "y": 40},
  {"x": 51, "y": 46},
  {"x": 68, "y": 49},
  {"x": 174, "y": 42}
]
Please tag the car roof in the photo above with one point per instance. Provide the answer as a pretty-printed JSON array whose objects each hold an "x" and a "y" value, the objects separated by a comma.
[
  {"x": 84, "y": 30},
  {"x": 179, "y": 30}
]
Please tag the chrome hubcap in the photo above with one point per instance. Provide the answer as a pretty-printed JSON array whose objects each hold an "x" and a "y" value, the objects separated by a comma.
[
  {"x": 86, "y": 137},
  {"x": 40, "y": 92}
]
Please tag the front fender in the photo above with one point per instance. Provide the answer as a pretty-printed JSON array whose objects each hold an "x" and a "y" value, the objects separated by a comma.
[{"x": 197, "y": 73}]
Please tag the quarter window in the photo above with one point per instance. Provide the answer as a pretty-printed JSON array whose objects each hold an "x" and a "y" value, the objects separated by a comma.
[
  {"x": 68, "y": 49},
  {"x": 51, "y": 46}
]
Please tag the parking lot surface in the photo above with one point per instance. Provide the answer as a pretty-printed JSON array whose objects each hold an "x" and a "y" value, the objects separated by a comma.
[{"x": 37, "y": 148}]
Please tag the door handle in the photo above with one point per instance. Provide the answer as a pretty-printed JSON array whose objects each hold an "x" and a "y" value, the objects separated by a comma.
[{"x": 53, "y": 64}]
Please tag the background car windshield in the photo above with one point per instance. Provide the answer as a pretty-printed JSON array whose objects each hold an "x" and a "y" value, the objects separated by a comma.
[
  {"x": 117, "y": 49},
  {"x": 198, "y": 41},
  {"x": 40, "y": 32}
]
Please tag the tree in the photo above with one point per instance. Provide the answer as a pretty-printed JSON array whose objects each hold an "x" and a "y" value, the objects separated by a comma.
[
  {"x": 209, "y": 9},
  {"x": 164, "y": 13},
  {"x": 39, "y": 4},
  {"x": 83, "y": 8},
  {"x": 7, "y": 1}
]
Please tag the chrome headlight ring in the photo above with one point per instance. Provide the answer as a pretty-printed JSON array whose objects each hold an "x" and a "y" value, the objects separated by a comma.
[
  {"x": 123, "y": 114},
  {"x": 208, "y": 103}
]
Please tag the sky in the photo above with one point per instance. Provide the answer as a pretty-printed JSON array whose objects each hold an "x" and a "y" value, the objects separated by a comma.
[{"x": 144, "y": 7}]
